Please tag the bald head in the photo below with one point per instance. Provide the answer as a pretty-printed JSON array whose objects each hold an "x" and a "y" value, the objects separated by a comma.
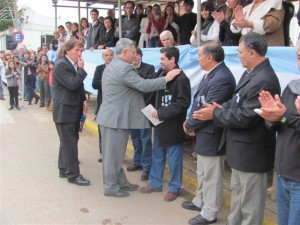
[{"x": 107, "y": 55}]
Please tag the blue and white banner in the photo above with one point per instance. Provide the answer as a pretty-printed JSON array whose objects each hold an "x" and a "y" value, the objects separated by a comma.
[{"x": 283, "y": 60}]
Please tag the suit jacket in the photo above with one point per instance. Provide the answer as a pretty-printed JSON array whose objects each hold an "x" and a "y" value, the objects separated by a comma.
[
  {"x": 68, "y": 92},
  {"x": 94, "y": 35},
  {"x": 250, "y": 146},
  {"x": 172, "y": 104},
  {"x": 146, "y": 71},
  {"x": 122, "y": 96},
  {"x": 97, "y": 84},
  {"x": 218, "y": 87}
]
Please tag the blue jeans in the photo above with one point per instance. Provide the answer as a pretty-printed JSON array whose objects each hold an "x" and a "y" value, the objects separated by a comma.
[
  {"x": 141, "y": 140},
  {"x": 174, "y": 155},
  {"x": 288, "y": 201}
]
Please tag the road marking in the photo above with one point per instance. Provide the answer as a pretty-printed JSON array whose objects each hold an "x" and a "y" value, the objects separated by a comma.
[{"x": 5, "y": 117}]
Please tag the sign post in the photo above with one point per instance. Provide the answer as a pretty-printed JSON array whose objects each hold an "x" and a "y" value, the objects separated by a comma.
[{"x": 19, "y": 36}]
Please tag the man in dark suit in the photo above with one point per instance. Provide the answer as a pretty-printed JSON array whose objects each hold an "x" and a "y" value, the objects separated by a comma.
[
  {"x": 69, "y": 105},
  {"x": 250, "y": 146},
  {"x": 141, "y": 138},
  {"x": 107, "y": 56},
  {"x": 216, "y": 86}
]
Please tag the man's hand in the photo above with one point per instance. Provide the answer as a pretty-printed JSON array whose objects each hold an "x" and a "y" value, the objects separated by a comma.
[
  {"x": 190, "y": 133},
  {"x": 272, "y": 108},
  {"x": 172, "y": 74},
  {"x": 207, "y": 112},
  {"x": 297, "y": 103},
  {"x": 80, "y": 62},
  {"x": 155, "y": 115},
  {"x": 85, "y": 108}
]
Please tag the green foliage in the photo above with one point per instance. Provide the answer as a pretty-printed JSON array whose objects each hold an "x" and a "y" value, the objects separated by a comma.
[{"x": 5, "y": 21}]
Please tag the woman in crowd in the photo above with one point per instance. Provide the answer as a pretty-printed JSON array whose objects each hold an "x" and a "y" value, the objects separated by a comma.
[
  {"x": 75, "y": 30},
  {"x": 261, "y": 16},
  {"x": 139, "y": 12},
  {"x": 167, "y": 39},
  {"x": 227, "y": 37},
  {"x": 143, "y": 42},
  {"x": 43, "y": 74},
  {"x": 12, "y": 76},
  {"x": 84, "y": 31},
  {"x": 155, "y": 26},
  {"x": 107, "y": 37},
  {"x": 210, "y": 28},
  {"x": 51, "y": 66},
  {"x": 171, "y": 25},
  {"x": 20, "y": 65}
]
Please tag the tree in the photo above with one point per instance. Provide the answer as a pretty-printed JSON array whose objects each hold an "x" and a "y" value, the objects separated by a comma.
[{"x": 6, "y": 8}]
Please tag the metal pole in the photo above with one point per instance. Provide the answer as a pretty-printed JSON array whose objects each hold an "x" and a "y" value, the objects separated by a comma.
[
  {"x": 120, "y": 19},
  {"x": 79, "y": 12},
  {"x": 55, "y": 12},
  {"x": 199, "y": 22}
]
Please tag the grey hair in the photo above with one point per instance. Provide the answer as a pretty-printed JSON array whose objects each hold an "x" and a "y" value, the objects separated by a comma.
[
  {"x": 214, "y": 49},
  {"x": 122, "y": 44},
  {"x": 256, "y": 42},
  {"x": 166, "y": 33}
]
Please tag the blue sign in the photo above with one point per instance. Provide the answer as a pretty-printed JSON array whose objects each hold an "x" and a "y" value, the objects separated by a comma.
[{"x": 19, "y": 37}]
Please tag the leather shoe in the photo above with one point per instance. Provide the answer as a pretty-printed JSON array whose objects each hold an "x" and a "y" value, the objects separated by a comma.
[
  {"x": 37, "y": 100},
  {"x": 199, "y": 220},
  {"x": 79, "y": 181},
  {"x": 145, "y": 175},
  {"x": 134, "y": 167},
  {"x": 100, "y": 160},
  {"x": 170, "y": 196},
  {"x": 130, "y": 187},
  {"x": 118, "y": 194},
  {"x": 148, "y": 189},
  {"x": 62, "y": 174},
  {"x": 190, "y": 206}
]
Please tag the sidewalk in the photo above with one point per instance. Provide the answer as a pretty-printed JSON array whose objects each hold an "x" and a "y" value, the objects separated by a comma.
[{"x": 189, "y": 174}]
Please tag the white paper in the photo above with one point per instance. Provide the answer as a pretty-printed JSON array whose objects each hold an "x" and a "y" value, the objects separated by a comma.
[{"x": 148, "y": 110}]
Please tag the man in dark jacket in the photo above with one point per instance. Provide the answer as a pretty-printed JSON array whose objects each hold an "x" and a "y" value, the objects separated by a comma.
[
  {"x": 216, "y": 86},
  {"x": 107, "y": 56},
  {"x": 141, "y": 138},
  {"x": 171, "y": 105},
  {"x": 284, "y": 117},
  {"x": 188, "y": 22},
  {"x": 250, "y": 146},
  {"x": 69, "y": 105},
  {"x": 95, "y": 30}
]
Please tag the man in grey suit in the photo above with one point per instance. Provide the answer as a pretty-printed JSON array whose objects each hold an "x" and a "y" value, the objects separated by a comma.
[
  {"x": 250, "y": 146},
  {"x": 217, "y": 85},
  {"x": 69, "y": 103},
  {"x": 120, "y": 111}
]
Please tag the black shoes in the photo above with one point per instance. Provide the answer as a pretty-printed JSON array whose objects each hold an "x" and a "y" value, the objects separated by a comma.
[
  {"x": 42, "y": 106},
  {"x": 79, "y": 181},
  {"x": 145, "y": 175},
  {"x": 199, "y": 220},
  {"x": 18, "y": 108},
  {"x": 190, "y": 206},
  {"x": 62, "y": 174},
  {"x": 10, "y": 108},
  {"x": 100, "y": 160},
  {"x": 36, "y": 100},
  {"x": 134, "y": 167},
  {"x": 130, "y": 187},
  {"x": 118, "y": 194}
]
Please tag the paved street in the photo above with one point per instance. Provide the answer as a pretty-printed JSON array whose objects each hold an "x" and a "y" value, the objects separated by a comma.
[{"x": 32, "y": 193}]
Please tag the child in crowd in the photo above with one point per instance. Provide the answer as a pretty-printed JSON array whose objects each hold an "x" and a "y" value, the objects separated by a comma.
[{"x": 13, "y": 75}]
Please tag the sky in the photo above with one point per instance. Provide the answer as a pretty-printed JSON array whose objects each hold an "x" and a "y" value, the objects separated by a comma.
[{"x": 44, "y": 7}]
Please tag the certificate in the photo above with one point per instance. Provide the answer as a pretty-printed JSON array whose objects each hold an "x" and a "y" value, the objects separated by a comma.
[{"x": 148, "y": 110}]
